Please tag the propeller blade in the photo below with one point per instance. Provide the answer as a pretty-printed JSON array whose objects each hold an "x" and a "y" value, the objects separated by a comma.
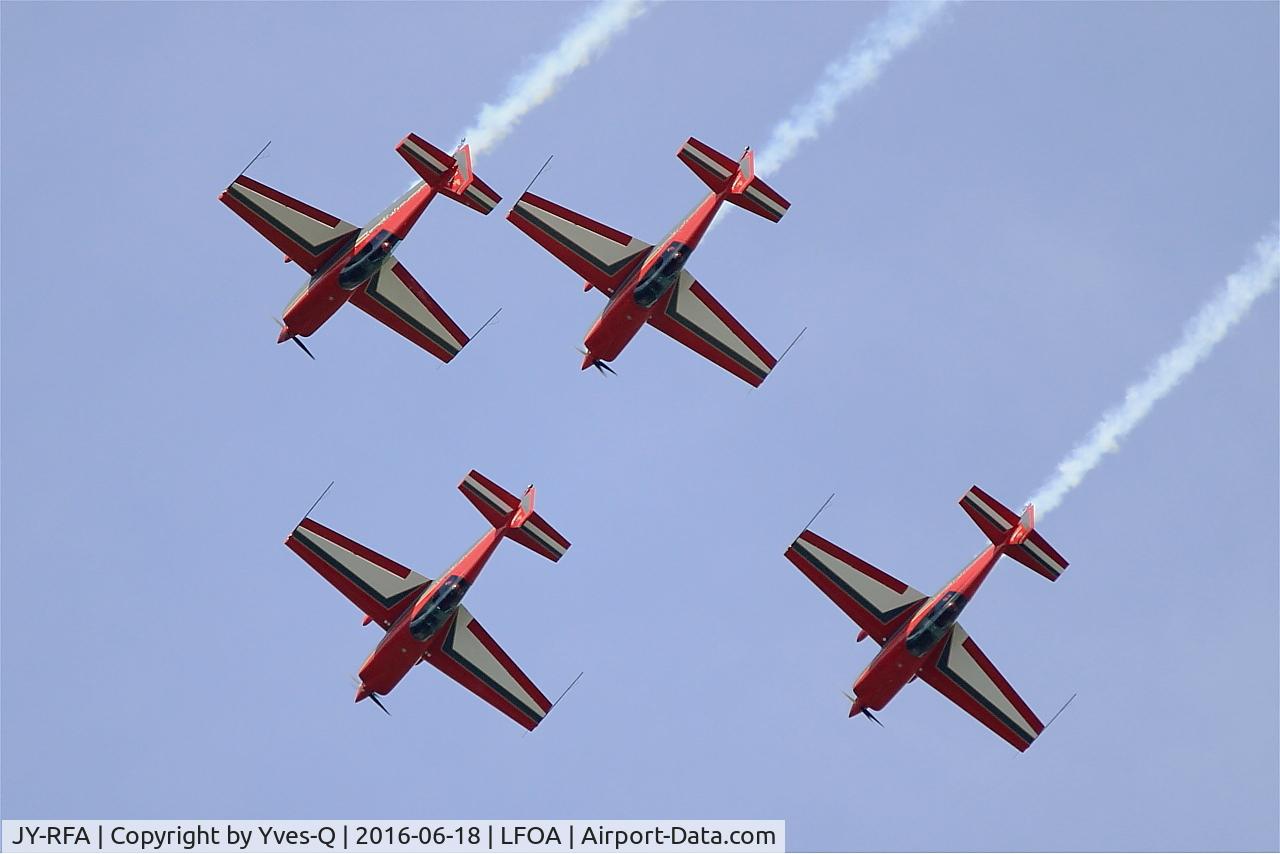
[
  {"x": 378, "y": 703},
  {"x": 598, "y": 364},
  {"x": 864, "y": 710},
  {"x": 296, "y": 340}
]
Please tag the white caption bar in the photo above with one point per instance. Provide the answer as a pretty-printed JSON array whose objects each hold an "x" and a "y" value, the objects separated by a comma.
[{"x": 394, "y": 836}]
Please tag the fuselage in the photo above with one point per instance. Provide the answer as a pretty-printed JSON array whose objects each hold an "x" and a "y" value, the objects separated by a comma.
[
  {"x": 414, "y": 632},
  {"x": 640, "y": 293},
  {"x": 355, "y": 263},
  {"x": 913, "y": 645}
]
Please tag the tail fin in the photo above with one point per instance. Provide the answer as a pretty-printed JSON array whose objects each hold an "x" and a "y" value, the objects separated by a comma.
[
  {"x": 526, "y": 508},
  {"x": 1001, "y": 525},
  {"x": 504, "y": 510},
  {"x": 450, "y": 174},
  {"x": 737, "y": 180},
  {"x": 1026, "y": 524}
]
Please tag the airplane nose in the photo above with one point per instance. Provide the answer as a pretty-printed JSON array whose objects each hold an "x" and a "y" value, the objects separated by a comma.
[
  {"x": 285, "y": 335},
  {"x": 361, "y": 692},
  {"x": 587, "y": 360}
]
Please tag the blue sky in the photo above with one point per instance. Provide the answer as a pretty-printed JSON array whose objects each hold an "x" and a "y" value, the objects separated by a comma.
[{"x": 986, "y": 247}]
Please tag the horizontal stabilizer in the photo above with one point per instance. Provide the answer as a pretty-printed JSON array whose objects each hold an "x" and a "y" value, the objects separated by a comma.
[
  {"x": 999, "y": 523},
  {"x": 450, "y": 174},
  {"x": 503, "y": 510},
  {"x": 715, "y": 169},
  {"x": 737, "y": 180}
]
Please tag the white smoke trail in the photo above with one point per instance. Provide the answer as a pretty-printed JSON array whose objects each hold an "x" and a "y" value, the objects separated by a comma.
[
  {"x": 1209, "y": 326},
  {"x": 581, "y": 44},
  {"x": 887, "y": 36}
]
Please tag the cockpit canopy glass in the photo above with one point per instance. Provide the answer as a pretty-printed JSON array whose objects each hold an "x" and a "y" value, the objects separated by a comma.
[
  {"x": 663, "y": 275},
  {"x": 941, "y": 617},
  {"x": 367, "y": 260},
  {"x": 444, "y": 601}
]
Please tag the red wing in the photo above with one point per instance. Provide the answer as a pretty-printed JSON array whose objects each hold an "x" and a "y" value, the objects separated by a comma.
[
  {"x": 967, "y": 678},
  {"x": 307, "y": 236},
  {"x": 692, "y": 316},
  {"x": 875, "y": 600},
  {"x": 395, "y": 298},
  {"x": 378, "y": 586},
  {"x": 466, "y": 653},
  {"x": 600, "y": 254}
]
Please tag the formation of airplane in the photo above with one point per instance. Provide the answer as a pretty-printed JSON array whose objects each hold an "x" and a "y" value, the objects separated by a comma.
[
  {"x": 356, "y": 265},
  {"x": 425, "y": 619},
  {"x": 918, "y": 634},
  {"x": 649, "y": 283}
]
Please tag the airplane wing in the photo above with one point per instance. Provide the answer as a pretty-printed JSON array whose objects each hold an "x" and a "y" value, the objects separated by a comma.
[
  {"x": 692, "y": 316},
  {"x": 600, "y": 254},
  {"x": 395, "y": 298},
  {"x": 466, "y": 653},
  {"x": 967, "y": 678},
  {"x": 307, "y": 236},
  {"x": 874, "y": 599},
  {"x": 378, "y": 586}
]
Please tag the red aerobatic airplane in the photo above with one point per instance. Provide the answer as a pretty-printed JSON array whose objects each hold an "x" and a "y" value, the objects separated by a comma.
[
  {"x": 356, "y": 265},
  {"x": 919, "y": 635},
  {"x": 649, "y": 283},
  {"x": 424, "y": 619}
]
